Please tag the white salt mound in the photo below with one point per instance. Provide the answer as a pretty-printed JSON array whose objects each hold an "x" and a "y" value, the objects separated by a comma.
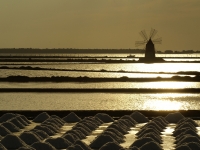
[
  {"x": 155, "y": 137},
  {"x": 183, "y": 147},
  {"x": 111, "y": 146},
  {"x": 43, "y": 146},
  {"x": 69, "y": 137},
  {"x": 77, "y": 133},
  {"x": 100, "y": 141},
  {"x": 188, "y": 120},
  {"x": 124, "y": 123},
  {"x": 71, "y": 118},
  {"x": 104, "y": 117},
  {"x": 94, "y": 120},
  {"x": 41, "y": 117},
  {"x": 151, "y": 146},
  {"x": 160, "y": 119},
  {"x": 178, "y": 132},
  {"x": 89, "y": 125},
  {"x": 161, "y": 124},
  {"x": 10, "y": 126},
  {"x": 58, "y": 118},
  {"x": 193, "y": 145},
  {"x": 174, "y": 117},
  {"x": 132, "y": 148},
  {"x": 2, "y": 147},
  {"x": 29, "y": 137},
  {"x": 22, "y": 121},
  {"x": 147, "y": 130},
  {"x": 129, "y": 118},
  {"x": 119, "y": 128},
  {"x": 114, "y": 136},
  {"x": 59, "y": 143},
  {"x": 185, "y": 125},
  {"x": 17, "y": 123},
  {"x": 116, "y": 132},
  {"x": 6, "y": 117},
  {"x": 140, "y": 142},
  {"x": 45, "y": 129},
  {"x": 154, "y": 125},
  {"x": 82, "y": 144},
  {"x": 52, "y": 127},
  {"x": 85, "y": 130},
  {"x": 139, "y": 117},
  {"x": 187, "y": 139},
  {"x": 12, "y": 142},
  {"x": 58, "y": 122},
  {"x": 41, "y": 134},
  {"x": 4, "y": 131},
  {"x": 24, "y": 118},
  {"x": 26, "y": 148},
  {"x": 75, "y": 147},
  {"x": 187, "y": 132}
]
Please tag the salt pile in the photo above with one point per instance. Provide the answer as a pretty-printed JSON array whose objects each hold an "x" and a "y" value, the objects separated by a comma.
[
  {"x": 104, "y": 117},
  {"x": 43, "y": 145},
  {"x": 45, "y": 129},
  {"x": 12, "y": 142},
  {"x": 4, "y": 131},
  {"x": 29, "y": 137},
  {"x": 24, "y": 118},
  {"x": 174, "y": 117},
  {"x": 41, "y": 134},
  {"x": 6, "y": 117},
  {"x": 41, "y": 117},
  {"x": 128, "y": 132},
  {"x": 71, "y": 118},
  {"x": 69, "y": 137},
  {"x": 82, "y": 144},
  {"x": 2, "y": 147},
  {"x": 111, "y": 146},
  {"x": 59, "y": 143},
  {"x": 100, "y": 141},
  {"x": 139, "y": 117},
  {"x": 10, "y": 126},
  {"x": 151, "y": 146},
  {"x": 16, "y": 122}
]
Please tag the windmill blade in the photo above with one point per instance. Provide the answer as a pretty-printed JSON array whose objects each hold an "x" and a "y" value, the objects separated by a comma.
[
  {"x": 139, "y": 43},
  {"x": 157, "y": 41},
  {"x": 152, "y": 33},
  {"x": 144, "y": 35}
]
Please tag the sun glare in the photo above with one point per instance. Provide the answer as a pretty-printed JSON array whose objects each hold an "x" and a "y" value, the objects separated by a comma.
[
  {"x": 162, "y": 102},
  {"x": 168, "y": 84},
  {"x": 163, "y": 105}
]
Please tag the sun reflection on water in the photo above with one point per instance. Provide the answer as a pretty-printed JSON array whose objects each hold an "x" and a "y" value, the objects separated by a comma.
[
  {"x": 168, "y": 84},
  {"x": 161, "y": 103}
]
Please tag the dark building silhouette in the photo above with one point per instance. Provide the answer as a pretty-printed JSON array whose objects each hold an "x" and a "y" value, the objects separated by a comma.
[
  {"x": 150, "y": 50},
  {"x": 150, "y": 55}
]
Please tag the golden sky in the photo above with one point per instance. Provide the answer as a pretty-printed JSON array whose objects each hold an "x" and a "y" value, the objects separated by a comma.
[{"x": 98, "y": 23}]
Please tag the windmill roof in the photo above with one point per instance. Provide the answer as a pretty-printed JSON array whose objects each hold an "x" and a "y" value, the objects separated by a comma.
[{"x": 150, "y": 41}]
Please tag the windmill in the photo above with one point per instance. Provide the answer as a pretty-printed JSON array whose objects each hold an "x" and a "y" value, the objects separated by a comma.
[{"x": 149, "y": 41}]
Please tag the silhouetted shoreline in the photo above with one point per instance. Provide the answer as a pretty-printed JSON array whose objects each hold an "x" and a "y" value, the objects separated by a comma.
[
  {"x": 103, "y": 90},
  {"x": 114, "y": 113},
  {"x": 88, "y": 79}
]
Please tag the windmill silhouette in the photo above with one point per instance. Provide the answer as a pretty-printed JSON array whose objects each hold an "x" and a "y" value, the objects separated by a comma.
[{"x": 149, "y": 41}]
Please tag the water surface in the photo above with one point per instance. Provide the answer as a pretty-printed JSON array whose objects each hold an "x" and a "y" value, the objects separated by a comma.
[{"x": 98, "y": 101}]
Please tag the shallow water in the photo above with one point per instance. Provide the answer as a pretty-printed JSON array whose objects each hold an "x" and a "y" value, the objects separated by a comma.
[
  {"x": 97, "y": 85},
  {"x": 98, "y": 101},
  {"x": 101, "y": 101}
]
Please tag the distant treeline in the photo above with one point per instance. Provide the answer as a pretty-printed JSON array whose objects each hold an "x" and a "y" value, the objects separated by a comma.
[
  {"x": 73, "y": 50},
  {"x": 69, "y": 50}
]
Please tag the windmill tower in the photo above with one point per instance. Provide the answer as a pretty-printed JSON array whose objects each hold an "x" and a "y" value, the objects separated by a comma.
[{"x": 149, "y": 41}]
